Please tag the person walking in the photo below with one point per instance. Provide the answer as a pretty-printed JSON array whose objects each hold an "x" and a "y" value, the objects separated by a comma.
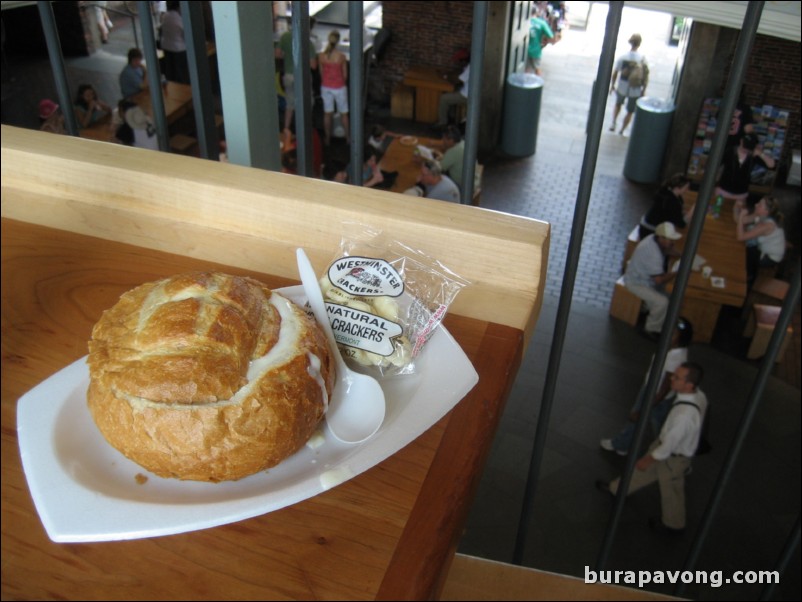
[
  {"x": 669, "y": 457},
  {"x": 677, "y": 354},
  {"x": 540, "y": 34},
  {"x": 632, "y": 74}
]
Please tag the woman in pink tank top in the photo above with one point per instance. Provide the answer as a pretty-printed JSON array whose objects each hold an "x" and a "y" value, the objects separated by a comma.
[{"x": 333, "y": 77}]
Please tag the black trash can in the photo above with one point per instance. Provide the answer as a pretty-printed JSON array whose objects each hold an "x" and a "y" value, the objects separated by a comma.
[
  {"x": 647, "y": 143},
  {"x": 522, "y": 97}
]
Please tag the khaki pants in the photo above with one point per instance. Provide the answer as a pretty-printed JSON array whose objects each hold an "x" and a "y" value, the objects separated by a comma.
[{"x": 670, "y": 476}]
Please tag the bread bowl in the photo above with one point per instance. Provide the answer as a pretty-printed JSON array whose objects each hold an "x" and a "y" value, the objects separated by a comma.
[{"x": 207, "y": 376}]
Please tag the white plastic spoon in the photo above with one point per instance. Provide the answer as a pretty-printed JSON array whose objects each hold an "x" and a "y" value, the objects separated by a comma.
[{"x": 356, "y": 408}]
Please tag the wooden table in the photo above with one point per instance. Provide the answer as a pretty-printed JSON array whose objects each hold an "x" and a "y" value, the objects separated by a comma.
[
  {"x": 70, "y": 247},
  {"x": 429, "y": 84},
  {"x": 401, "y": 158},
  {"x": 727, "y": 256},
  {"x": 177, "y": 103}
]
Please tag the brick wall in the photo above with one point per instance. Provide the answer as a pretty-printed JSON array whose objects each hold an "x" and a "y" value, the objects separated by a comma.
[
  {"x": 423, "y": 33},
  {"x": 773, "y": 78}
]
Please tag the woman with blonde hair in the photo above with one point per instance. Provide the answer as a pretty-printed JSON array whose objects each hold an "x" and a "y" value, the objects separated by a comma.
[
  {"x": 762, "y": 231},
  {"x": 333, "y": 77}
]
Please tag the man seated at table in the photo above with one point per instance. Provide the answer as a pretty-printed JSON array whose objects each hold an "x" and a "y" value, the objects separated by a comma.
[
  {"x": 434, "y": 185},
  {"x": 452, "y": 162},
  {"x": 647, "y": 273},
  {"x": 457, "y": 98},
  {"x": 133, "y": 77}
]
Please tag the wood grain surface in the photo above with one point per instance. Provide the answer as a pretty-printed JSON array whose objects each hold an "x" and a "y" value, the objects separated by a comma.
[
  {"x": 255, "y": 219},
  {"x": 84, "y": 222},
  {"x": 389, "y": 533},
  {"x": 727, "y": 256}
]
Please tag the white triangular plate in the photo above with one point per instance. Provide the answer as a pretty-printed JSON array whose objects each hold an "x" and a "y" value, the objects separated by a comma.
[{"x": 85, "y": 490}]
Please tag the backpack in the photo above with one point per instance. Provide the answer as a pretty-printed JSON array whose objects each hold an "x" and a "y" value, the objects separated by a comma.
[{"x": 635, "y": 73}]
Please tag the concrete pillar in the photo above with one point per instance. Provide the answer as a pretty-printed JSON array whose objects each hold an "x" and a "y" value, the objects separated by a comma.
[
  {"x": 244, "y": 36},
  {"x": 705, "y": 66}
]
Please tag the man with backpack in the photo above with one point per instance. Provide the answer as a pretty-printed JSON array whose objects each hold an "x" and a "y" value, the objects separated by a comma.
[
  {"x": 669, "y": 457},
  {"x": 634, "y": 72}
]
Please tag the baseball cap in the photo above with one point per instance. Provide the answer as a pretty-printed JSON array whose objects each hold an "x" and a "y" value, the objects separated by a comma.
[
  {"x": 666, "y": 230},
  {"x": 46, "y": 108}
]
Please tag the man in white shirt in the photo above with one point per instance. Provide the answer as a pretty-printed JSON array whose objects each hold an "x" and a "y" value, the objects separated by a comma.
[
  {"x": 669, "y": 457},
  {"x": 450, "y": 99},
  {"x": 646, "y": 275}
]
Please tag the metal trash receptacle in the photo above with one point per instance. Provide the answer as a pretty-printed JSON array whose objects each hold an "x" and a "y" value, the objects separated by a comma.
[
  {"x": 522, "y": 97},
  {"x": 647, "y": 143}
]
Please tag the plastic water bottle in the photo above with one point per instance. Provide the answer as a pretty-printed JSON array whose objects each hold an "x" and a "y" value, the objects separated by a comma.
[{"x": 717, "y": 206}]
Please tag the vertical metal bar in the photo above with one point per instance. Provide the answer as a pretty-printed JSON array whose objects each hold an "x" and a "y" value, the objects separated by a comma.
[
  {"x": 355, "y": 82},
  {"x": 154, "y": 75},
  {"x": 57, "y": 63},
  {"x": 740, "y": 63},
  {"x": 572, "y": 261},
  {"x": 755, "y": 395},
  {"x": 791, "y": 544},
  {"x": 678, "y": 293},
  {"x": 200, "y": 77},
  {"x": 478, "y": 35},
  {"x": 303, "y": 86}
]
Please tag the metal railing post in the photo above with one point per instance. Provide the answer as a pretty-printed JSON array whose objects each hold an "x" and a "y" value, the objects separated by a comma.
[
  {"x": 154, "y": 76},
  {"x": 57, "y": 64},
  {"x": 303, "y": 86},
  {"x": 355, "y": 83},
  {"x": 478, "y": 35},
  {"x": 572, "y": 262},
  {"x": 200, "y": 78}
]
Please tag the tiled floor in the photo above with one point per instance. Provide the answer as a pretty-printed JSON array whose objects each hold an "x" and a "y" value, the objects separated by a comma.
[{"x": 603, "y": 361}]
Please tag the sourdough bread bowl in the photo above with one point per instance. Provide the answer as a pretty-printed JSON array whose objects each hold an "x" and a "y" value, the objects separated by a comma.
[{"x": 207, "y": 376}]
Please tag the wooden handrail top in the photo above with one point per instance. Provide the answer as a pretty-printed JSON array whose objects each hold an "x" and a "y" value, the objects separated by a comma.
[{"x": 255, "y": 219}]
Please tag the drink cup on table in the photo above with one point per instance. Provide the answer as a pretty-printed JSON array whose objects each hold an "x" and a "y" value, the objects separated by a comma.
[{"x": 707, "y": 271}]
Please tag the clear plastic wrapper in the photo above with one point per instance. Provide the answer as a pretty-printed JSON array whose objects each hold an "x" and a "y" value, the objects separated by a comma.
[{"x": 385, "y": 300}]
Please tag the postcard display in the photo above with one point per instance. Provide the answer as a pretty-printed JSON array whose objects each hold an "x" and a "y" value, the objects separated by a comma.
[{"x": 769, "y": 123}]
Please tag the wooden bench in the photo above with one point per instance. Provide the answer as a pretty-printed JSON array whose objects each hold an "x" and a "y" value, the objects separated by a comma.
[
  {"x": 761, "y": 324},
  {"x": 625, "y": 305},
  {"x": 402, "y": 101},
  {"x": 767, "y": 291},
  {"x": 182, "y": 144}
]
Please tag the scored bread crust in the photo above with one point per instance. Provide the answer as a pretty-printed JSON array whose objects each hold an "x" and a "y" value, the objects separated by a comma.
[{"x": 207, "y": 377}]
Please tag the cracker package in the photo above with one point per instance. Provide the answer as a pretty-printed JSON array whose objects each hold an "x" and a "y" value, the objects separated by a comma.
[{"x": 385, "y": 300}]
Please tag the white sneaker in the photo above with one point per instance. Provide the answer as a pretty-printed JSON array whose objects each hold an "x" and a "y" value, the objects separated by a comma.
[{"x": 607, "y": 444}]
